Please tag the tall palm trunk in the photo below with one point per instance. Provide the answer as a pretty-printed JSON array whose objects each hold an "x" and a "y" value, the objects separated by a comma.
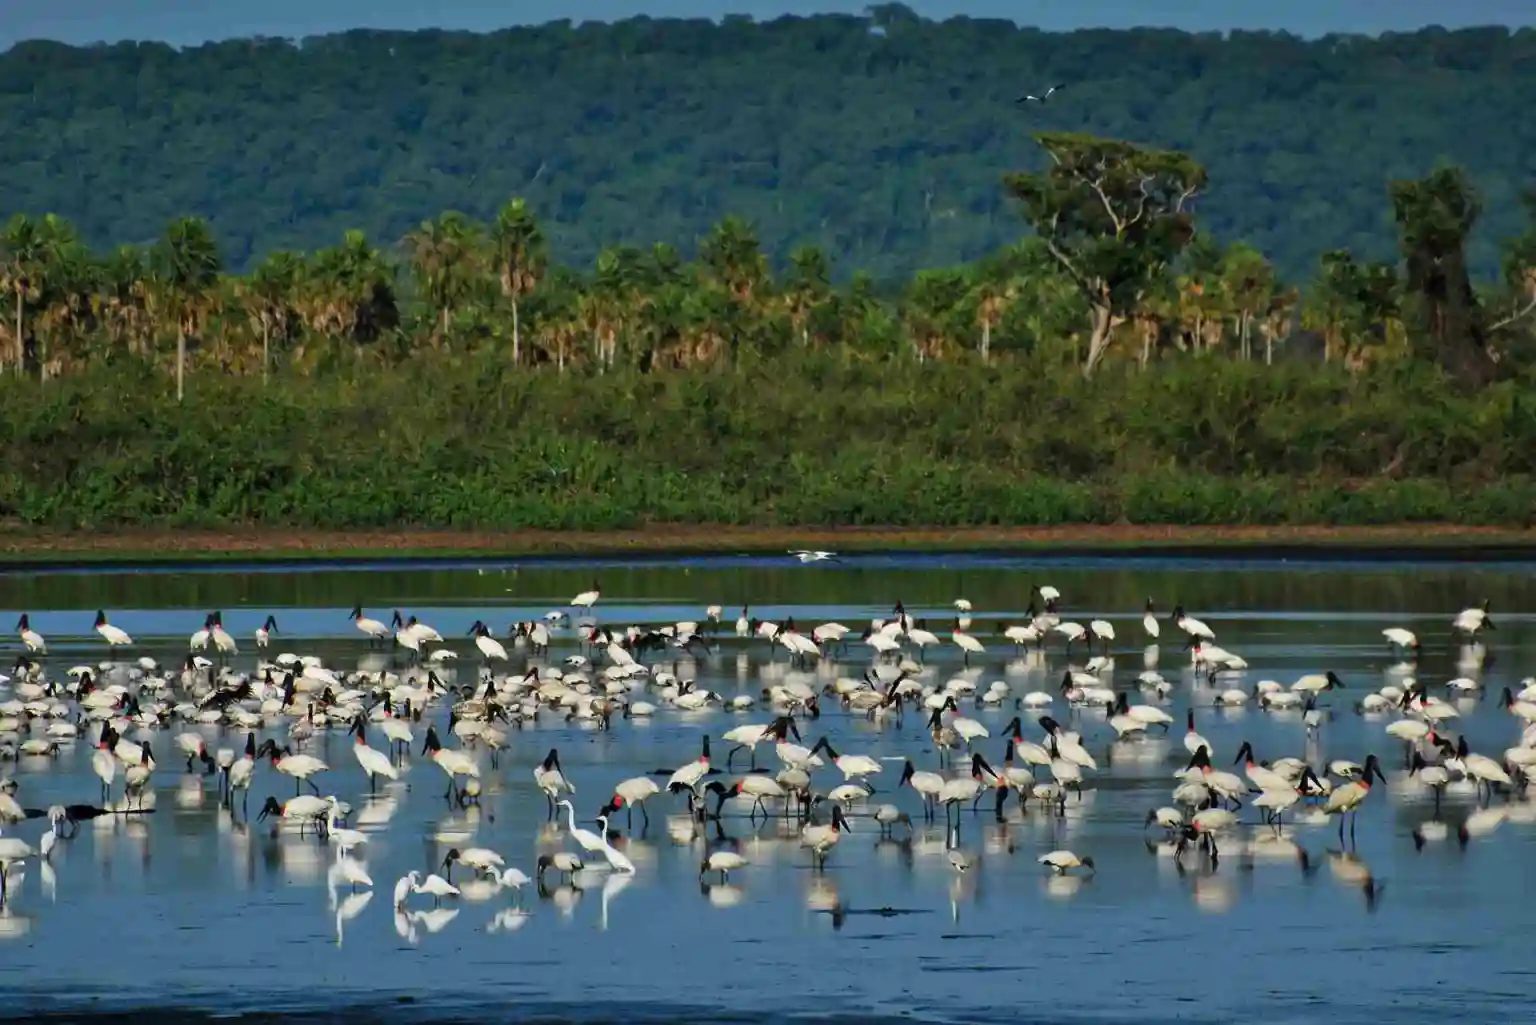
[
  {"x": 266, "y": 350},
  {"x": 181, "y": 361},
  {"x": 21, "y": 350},
  {"x": 517, "y": 335}
]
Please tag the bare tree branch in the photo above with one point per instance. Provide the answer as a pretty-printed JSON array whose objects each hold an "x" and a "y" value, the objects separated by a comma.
[{"x": 1519, "y": 314}]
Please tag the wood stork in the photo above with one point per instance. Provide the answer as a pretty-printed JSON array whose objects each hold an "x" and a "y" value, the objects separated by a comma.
[
  {"x": 724, "y": 862},
  {"x": 375, "y": 763},
  {"x": 115, "y": 637},
  {"x": 371, "y": 628},
  {"x": 30, "y": 638},
  {"x": 1063, "y": 861}
]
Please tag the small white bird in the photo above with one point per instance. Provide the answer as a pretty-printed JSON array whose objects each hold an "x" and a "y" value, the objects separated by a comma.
[
  {"x": 1032, "y": 98},
  {"x": 805, "y": 556},
  {"x": 514, "y": 879},
  {"x": 724, "y": 862},
  {"x": 1061, "y": 861}
]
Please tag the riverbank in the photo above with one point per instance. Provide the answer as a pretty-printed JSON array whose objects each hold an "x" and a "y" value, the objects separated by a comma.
[
  {"x": 44, "y": 548},
  {"x": 788, "y": 453}
]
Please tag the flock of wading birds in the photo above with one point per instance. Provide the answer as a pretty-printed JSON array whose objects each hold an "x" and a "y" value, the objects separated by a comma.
[{"x": 621, "y": 674}]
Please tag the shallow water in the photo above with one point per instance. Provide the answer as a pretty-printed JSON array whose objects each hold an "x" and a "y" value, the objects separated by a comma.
[{"x": 195, "y": 908}]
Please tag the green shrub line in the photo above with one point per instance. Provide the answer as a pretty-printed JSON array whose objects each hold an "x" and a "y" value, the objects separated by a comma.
[{"x": 807, "y": 440}]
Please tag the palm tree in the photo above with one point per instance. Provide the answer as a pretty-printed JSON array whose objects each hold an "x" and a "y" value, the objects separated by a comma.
[
  {"x": 521, "y": 256},
  {"x": 22, "y": 254},
  {"x": 992, "y": 299},
  {"x": 444, "y": 256},
  {"x": 351, "y": 291},
  {"x": 269, "y": 300},
  {"x": 68, "y": 281},
  {"x": 734, "y": 260},
  {"x": 1248, "y": 282},
  {"x": 732, "y": 255},
  {"x": 929, "y": 310},
  {"x": 121, "y": 303},
  {"x": 186, "y": 267},
  {"x": 806, "y": 288}
]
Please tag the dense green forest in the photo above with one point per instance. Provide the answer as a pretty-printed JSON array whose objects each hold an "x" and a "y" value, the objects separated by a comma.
[
  {"x": 1117, "y": 364},
  {"x": 881, "y": 141}
]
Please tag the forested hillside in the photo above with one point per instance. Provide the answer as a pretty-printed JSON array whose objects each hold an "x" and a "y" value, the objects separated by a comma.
[{"x": 884, "y": 145}]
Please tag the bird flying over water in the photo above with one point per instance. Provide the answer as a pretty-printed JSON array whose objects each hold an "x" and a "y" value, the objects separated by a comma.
[
  {"x": 805, "y": 556},
  {"x": 1032, "y": 98}
]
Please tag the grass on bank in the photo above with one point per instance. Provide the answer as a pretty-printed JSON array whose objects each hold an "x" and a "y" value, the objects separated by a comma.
[
  {"x": 808, "y": 442},
  {"x": 46, "y": 549}
]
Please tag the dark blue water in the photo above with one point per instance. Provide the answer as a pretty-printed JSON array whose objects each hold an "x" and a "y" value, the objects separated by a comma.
[{"x": 194, "y": 908}]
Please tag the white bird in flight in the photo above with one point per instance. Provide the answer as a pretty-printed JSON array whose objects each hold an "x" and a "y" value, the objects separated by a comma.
[
  {"x": 804, "y": 556},
  {"x": 1032, "y": 98}
]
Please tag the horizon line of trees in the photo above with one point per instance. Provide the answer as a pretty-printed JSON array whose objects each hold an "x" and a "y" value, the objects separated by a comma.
[{"x": 1113, "y": 267}]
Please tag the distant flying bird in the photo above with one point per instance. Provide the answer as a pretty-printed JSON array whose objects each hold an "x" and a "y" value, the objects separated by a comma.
[
  {"x": 1032, "y": 98},
  {"x": 813, "y": 556}
]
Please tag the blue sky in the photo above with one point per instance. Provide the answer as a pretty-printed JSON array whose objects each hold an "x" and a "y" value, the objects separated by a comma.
[{"x": 192, "y": 21}]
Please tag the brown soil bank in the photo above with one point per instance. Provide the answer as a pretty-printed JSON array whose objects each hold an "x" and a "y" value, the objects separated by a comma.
[{"x": 174, "y": 546}]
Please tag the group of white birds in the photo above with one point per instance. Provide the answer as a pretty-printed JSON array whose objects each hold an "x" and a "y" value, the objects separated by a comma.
[{"x": 623, "y": 674}]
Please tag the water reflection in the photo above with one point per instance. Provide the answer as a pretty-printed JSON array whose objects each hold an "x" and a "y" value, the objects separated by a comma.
[{"x": 1283, "y": 889}]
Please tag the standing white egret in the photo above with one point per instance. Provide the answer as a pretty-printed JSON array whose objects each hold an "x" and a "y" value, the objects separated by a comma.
[
  {"x": 1149, "y": 621},
  {"x": 585, "y": 838},
  {"x": 616, "y": 858},
  {"x": 12, "y": 851}
]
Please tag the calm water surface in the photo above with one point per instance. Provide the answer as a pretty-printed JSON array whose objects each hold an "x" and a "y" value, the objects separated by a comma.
[{"x": 194, "y": 907}]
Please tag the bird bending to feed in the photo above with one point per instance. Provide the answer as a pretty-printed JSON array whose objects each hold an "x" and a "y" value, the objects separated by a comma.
[
  {"x": 805, "y": 556},
  {"x": 1061, "y": 861},
  {"x": 1032, "y": 98}
]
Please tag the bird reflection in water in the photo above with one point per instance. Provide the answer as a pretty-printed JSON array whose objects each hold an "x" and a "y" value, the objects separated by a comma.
[
  {"x": 349, "y": 908},
  {"x": 721, "y": 895},
  {"x": 508, "y": 920},
  {"x": 614, "y": 885},
  {"x": 1348, "y": 869}
]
